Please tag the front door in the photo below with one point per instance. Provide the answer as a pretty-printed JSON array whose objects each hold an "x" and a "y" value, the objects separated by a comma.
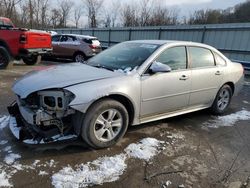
[{"x": 167, "y": 92}]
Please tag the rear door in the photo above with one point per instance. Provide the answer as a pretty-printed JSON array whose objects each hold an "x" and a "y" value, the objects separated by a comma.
[
  {"x": 68, "y": 45},
  {"x": 55, "y": 44},
  {"x": 206, "y": 76}
]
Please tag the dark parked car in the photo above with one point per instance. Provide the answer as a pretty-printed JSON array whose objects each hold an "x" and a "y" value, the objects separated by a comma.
[{"x": 75, "y": 47}]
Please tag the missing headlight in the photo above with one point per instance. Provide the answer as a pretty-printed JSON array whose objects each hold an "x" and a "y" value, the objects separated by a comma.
[
  {"x": 53, "y": 100},
  {"x": 50, "y": 101}
]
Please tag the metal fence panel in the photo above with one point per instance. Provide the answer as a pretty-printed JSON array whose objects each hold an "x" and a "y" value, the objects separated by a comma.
[{"x": 231, "y": 39}]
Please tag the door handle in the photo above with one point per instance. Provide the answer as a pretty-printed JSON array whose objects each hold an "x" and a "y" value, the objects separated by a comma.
[
  {"x": 183, "y": 77},
  {"x": 217, "y": 73}
]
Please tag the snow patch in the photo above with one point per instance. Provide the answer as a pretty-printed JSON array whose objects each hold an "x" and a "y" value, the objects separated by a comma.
[
  {"x": 145, "y": 149},
  {"x": 3, "y": 142},
  {"x": 7, "y": 149},
  {"x": 35, "y": 163},
  {"x": 105, "y": 169},
  {"x": 11, "y": 158},
  {"x": 43, "y": 173},
  {"x": 4, "y": 121},
  {"x": 245, "y": 102},
  {"x": 4, "y": 179},
  {"x": 228, "y": 120},
  {"x": 247, "y": 83}
]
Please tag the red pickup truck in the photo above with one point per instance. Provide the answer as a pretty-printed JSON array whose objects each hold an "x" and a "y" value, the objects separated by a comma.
[{"x": 19, "y": 43}]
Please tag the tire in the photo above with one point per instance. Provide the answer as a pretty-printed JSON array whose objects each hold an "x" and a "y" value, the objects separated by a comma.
[
  {"x": 79, "y": 57},
  {"x": 31, "y": 60},
  {"x": 98, "y": 133},
  {"x": 222, "y": 100},
  {"x": 4, "y": 58}
]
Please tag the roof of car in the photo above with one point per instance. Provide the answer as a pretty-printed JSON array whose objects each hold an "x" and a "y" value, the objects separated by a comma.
[
  {"x": 81, "y": 36},
  {"x": 162, "y": 42}
]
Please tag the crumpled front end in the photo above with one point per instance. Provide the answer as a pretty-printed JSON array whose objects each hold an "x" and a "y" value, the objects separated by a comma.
[{"x": 43, "y": 117}]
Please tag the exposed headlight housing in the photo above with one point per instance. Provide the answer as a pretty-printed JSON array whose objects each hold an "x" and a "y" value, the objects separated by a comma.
[{"x": 55, "y": 100}]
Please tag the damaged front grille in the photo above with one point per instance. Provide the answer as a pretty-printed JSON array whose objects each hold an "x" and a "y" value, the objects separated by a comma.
[{"x": 47, "y": 111}]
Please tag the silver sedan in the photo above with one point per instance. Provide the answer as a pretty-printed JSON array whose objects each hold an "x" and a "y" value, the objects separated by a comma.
[{"x": 129, "y": 84}]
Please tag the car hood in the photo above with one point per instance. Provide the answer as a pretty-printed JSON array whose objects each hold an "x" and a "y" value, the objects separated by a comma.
[{"x": 59, "y": 77}]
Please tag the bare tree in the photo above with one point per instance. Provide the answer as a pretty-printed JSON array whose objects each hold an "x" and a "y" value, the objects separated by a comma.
[
  {"x": 9, "y": 8},
  {"x": 145, "y": 12},
  {"x": 43, "y": 13},
  {"x": 163, "y": 16},
  {"x": 77, "y": 15},
  {"x": 65, "y": 7},
  {"x": 55, "y": 18},
  {"x": 93, "y": 8},
  {"x": 112, "y": 13},
  {"x": 129, "y": 16},
  {"x": 31, "y": 13}
]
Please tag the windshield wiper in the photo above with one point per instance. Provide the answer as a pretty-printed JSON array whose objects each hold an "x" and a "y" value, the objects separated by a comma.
[{"x": 103, "y": 67}]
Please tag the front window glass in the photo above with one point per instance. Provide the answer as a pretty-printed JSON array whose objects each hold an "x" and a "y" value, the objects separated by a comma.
[
  {"x": 175, "y": 57},
  {"x": 56, "y": 38},
  {"x": 123, "y": 56}
]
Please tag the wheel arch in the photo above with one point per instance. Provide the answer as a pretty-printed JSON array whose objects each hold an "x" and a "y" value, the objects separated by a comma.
[
  {"x": 78, "y": 52},
  {"x": 232, "y": 86},
  {"x": 5, "y": 45},
  {"x": 125, "y": 101}
]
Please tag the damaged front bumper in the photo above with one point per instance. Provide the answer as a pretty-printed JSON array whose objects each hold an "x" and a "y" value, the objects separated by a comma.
[{"x": 32, "y": 134}]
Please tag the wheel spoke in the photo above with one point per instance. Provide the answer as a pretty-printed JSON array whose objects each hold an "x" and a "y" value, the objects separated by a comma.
[
  {"x": 100, "y": 132},
  {"x": 111, "y": 114},
  {"x": 110, "y": 134},
  {"x": 101, "y": 120},
  {"x": 117, "y": 123},
  {"x": 220, "y": 102}
]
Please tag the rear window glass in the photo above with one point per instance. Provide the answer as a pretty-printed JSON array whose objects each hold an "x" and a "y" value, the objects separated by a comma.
[
  {"x": 56, "y": 38},
  {"x": 219, "y": 60},
  {"x": 201, "y": 57},
  {"x": 91, "y": 41},
  {"x": 6, "y": 23}
]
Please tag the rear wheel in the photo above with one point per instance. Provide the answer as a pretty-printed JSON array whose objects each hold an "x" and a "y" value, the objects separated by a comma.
[
  {"x": 105, "y": 123},
  {"x": 4, "y": 58},
  {"x": 222, "y": 100},
  {"x": 31, "y": 60},
  {"x": 79, "y": 57}
]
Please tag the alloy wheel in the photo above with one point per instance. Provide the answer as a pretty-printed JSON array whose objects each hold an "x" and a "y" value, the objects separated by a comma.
[{"x": 108, "y": 125}]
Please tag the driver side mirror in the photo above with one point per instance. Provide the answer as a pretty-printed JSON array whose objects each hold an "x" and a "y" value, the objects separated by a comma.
[{"x": 159, "y": 67}]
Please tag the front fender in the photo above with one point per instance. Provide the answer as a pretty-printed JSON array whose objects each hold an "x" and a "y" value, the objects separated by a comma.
[{"x": 87, "y": 93}]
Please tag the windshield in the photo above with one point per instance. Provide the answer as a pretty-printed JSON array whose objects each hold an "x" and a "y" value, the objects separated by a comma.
[{"x": 123, "y": 56}]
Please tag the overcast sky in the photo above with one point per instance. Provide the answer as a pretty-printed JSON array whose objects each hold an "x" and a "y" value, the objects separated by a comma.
[{"x": 186, "y": 7}]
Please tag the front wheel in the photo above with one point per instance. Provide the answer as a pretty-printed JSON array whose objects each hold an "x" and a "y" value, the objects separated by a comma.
[
  {"x": 222, "y": 100},
  {"x": 31, "y": 60},
  {"x": 105, "y": 123}
]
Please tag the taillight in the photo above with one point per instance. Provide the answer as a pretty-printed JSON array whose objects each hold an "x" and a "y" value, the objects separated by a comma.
[
  {"x": 93, "y": 46},
  {"x": 23, "y": 39},
  {"x": 243, "y": 69}
]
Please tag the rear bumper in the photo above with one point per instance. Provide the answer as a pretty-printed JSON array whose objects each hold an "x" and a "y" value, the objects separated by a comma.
[
  {"x": 32, "y": 134},
  {"x": 34, "y": 52},
  {"x": 239, "y": 85}
]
